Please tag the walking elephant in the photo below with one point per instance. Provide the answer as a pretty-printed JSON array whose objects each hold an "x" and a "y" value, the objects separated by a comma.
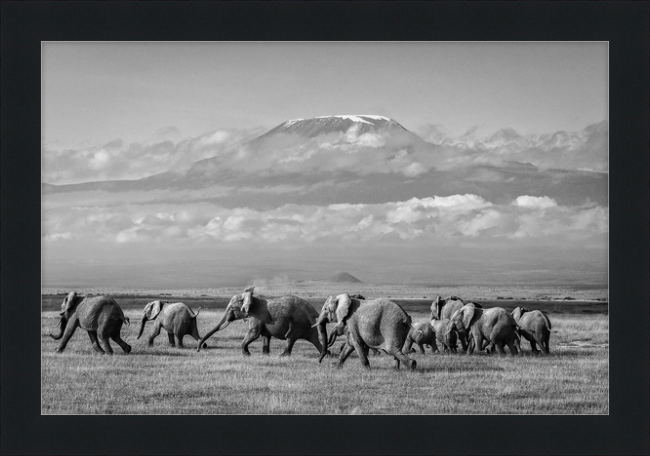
[
  {"x": 448, "y": 341},
  {"x": 287, "y": 318},
  {"x": 534, "y": 326},
  {"x": 379, "y": 323},
  {"x": 493, "y": 325},
  {"x": 421, "y": 334},
  {"x": 443, "y": 309},
  {"x": 100, "y": 316},
  {"x": 175, "y": 318}
]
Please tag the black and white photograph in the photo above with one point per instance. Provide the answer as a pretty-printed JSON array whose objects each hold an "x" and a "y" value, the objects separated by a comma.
[{"x": 325, "y": 228}]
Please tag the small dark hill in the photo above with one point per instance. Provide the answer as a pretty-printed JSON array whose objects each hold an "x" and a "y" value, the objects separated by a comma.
[{"x": 344, "y": 277}]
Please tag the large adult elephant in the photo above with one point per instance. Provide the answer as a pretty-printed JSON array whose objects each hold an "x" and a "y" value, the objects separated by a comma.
[
  {"x": 176, "y": 319},
  {"x": 288, "y": 318},
  {"x": 100, "y": 316},
  {"x": 493, "y": 325},
  {"x": 378, "y": 323},
  {"x": 534, "y": 326}
]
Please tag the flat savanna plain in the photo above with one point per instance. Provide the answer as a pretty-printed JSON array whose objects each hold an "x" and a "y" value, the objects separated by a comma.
[{"x": 573, "y": 379}]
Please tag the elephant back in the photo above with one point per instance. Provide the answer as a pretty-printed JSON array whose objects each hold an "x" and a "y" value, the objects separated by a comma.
[
  {"x": 450, "y": 308},
  {"x": 292, "y": 306},
  {"x": 92, "y": 309},
  {"x": 171, "y": 310},
  {"x": 383, "y": 309},
  {"x": 533, "y": 319}
]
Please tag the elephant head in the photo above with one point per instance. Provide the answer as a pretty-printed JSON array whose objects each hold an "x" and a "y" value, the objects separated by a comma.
[
  {"x": 234, "y": 311},
  {"x": 462, "y": 320},
  {"x": 247, "y": 300},
  {"x": 68, "y": 307},
  {"x": 436, "y": 308},
  {"x": 335, "y": 309},
  {"x": 150, "y": 312}
]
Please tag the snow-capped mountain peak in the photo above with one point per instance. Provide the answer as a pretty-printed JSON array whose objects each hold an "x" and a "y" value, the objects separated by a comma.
[{"x": 339, "y": 123}]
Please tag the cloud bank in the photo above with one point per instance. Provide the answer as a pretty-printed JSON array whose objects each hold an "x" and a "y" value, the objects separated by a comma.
[
  {"x": 445, "y": 220},
  {"x": 119, "y": 161},
  {"x": 362, "y": 153}
]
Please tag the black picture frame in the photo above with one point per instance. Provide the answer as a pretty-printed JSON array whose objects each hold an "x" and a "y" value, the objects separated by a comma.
[{"x": 623, "y": 24}]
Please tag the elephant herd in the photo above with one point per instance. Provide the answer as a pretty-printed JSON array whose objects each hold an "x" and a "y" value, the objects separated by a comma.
[{"x": 368, "y": 325}]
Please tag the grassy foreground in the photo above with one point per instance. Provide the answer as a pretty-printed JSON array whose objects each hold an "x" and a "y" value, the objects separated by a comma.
[{"x": 219, "y": 380}]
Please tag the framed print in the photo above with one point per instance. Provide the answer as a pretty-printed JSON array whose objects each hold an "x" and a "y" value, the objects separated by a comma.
[{"x": 273, "y": 228}]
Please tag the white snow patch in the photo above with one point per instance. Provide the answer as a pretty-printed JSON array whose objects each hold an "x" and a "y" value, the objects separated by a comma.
[
  {"x": 292, "y": 121},
  {"x": 356, "y": 118}
]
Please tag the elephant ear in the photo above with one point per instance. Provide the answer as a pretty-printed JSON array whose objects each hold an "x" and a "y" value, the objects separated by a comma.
[
  {"x": 468, "y": 315},
  {"x": 435, "y": 306},
  {"x": 69, "y": 301},
  {"x": 152, "y": 309},
  {"x": 343, "y": 308},
  {"x": 247, "y": 300}
]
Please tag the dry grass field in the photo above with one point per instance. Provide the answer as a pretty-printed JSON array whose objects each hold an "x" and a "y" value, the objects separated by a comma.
[{"x": 573, "y": 379}]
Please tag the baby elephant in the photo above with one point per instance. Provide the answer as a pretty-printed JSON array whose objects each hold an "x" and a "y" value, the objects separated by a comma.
[
  {"x": 421, "y": 334},
  {"x": 447, "y": 341},
  {"x": 177, "y": 319}
]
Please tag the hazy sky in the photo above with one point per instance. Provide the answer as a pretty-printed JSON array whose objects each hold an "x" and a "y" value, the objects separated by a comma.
[
  {"x": 443, "y": 206},
  {"x": 95, "y": 93}
]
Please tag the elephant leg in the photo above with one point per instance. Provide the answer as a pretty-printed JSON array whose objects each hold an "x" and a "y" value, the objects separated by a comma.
[
  {"x": 95, "y": 342},
  {"x": 546, "y": 339},
  {"x": 179, "y": 340},
  {"x": 512, "y": 348},
  {"x": 289, "y": 347},
  {"x": 126, "y": 348},
  {"x": 170, "y": 337},
  {"x": 499, "y": 347},
  {"x": 105, "y": 342},
  {"x": 421, "y": 347},
  {"x": 69, "y": 331},
  {"x": 401, "y": 357},
  {"x": 197, "y": 338},
  {"x": 361, "y": 349},
  {"x": 291, "y": 335},
  {"x": 533, "y": 346},
  {"x": 345, "y": 352},
  {"x": 313, "y": 338},
  {"x": 156, "y": 330},
  {"x": 266, "y": 345},
  {"x": 253, "y": 334},
  {"x": 434, "y": 345},
  {"x": 408, "y": 345}
]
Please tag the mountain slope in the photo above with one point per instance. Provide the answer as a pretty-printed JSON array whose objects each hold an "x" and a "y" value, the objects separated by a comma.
[
  {"x": 344, "y": 277},
  {"x": 362, "y": 159}
]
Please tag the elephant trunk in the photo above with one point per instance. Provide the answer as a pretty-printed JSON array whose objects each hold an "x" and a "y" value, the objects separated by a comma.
[
  {"x": 333, "y": 337},
  {"x": 142, "y": 323},
  {"x": 222, "y": 324},
  {"x": 322, "y": 336},
  {"x": 62, "y": 324}
]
